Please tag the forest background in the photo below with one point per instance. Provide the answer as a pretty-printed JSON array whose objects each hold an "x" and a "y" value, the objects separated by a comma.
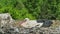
[{"x": 32, "y": 9}]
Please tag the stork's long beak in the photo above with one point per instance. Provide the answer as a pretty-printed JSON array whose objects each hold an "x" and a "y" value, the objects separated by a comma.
[{"x": 21, "y": 22}]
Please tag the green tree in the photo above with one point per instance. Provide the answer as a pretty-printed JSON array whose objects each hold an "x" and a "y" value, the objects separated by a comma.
[
  {"x": 48, "y": 9},
  {"x": 58, "y": 9}
]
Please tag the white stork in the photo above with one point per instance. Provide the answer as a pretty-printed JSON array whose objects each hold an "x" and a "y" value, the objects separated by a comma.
[{"x": 31, "y": 23}]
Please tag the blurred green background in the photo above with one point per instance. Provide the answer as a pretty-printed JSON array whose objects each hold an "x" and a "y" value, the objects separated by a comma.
[{"x": 33, "y": 9}]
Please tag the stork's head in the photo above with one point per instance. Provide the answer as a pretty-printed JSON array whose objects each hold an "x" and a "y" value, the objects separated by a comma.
[{"x": 27, "y": 19}]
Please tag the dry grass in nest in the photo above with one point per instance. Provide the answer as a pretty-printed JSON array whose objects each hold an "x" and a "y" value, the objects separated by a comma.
[
  {"x": 16, "y": 24},
  {"x": 56, "y": 23}
]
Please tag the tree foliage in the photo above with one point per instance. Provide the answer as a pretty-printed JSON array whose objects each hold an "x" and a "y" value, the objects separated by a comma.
[{"x": 33, "y": 9}]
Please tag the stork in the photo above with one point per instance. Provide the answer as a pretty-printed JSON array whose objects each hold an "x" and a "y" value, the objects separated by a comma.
[{"x": 31, "y": 23}]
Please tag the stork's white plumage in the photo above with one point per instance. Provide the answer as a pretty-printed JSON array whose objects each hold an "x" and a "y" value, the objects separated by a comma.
[{"x": 31, "y": 23}]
